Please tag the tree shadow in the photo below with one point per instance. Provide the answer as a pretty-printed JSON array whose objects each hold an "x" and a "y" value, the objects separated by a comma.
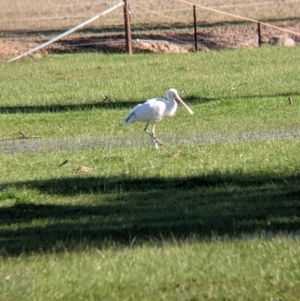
[
  {"x": 148, "y": 209},
  {"x": 120, "y": 104},
  {"x": 61, "y": 108}
]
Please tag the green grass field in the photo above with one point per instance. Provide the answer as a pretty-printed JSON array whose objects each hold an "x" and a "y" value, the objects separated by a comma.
[{"x": 202, "y": 218}]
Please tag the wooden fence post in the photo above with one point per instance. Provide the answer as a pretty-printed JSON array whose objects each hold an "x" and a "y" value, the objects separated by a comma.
[
  {"x": 195, "y": 28},
  {"x": 127, "y": 27},
  {"x": 259, "y": 33}
]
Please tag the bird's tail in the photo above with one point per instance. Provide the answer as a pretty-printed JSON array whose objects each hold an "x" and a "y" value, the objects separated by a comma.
[{"x": 129, "y": 119}]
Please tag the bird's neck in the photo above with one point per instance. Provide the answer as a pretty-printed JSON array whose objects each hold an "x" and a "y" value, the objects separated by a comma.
[{"x": 171, "y": 107}]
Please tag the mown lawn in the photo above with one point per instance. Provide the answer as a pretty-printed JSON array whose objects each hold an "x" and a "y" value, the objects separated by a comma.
[{"x": 212, "y": 215}]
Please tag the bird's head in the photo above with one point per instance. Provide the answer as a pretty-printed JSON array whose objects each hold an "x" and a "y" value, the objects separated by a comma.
[{"x": 173, "y": 94}]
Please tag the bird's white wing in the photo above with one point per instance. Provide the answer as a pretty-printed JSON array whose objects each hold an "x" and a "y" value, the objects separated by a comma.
[{"x": 151, "y": 110}]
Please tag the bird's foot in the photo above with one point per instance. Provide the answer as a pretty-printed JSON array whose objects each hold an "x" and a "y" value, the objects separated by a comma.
[{"x": 157, "y": 143}]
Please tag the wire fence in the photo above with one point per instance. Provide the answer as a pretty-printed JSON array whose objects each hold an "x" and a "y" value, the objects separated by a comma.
[{"x": 171, "y": 21}]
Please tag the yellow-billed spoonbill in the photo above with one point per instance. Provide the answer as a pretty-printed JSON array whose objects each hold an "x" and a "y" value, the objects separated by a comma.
[{"x": 153, "y": 110}]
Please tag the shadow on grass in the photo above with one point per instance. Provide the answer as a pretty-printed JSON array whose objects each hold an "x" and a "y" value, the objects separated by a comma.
[
  {"x": 121, "y": 210},
  {"x": 57, "y": 108},
  {"x": 111, "y": 104}
]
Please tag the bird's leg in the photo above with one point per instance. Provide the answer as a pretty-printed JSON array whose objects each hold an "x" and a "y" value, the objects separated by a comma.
[
  {"x": 152, "y": 134},
  {"x": 156, "y": 141}
]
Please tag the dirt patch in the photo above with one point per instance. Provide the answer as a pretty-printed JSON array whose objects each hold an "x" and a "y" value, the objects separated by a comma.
[{"x": 213, "y": 38}]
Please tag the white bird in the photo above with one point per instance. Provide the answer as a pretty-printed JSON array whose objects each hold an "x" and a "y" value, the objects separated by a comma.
[{"x": 153, "y": 110}]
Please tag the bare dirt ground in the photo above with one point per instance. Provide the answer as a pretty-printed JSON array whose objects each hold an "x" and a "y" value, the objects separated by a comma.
[{"x": 179, "y": 41}]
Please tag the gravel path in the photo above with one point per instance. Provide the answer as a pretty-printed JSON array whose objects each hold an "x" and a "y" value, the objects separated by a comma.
[{"x": 92, "y": 143}]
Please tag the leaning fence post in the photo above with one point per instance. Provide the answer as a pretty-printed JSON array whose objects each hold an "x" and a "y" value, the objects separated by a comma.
[
  {"x": 259, "y": 33},
  {"x": 127, "y": 27},
  {"x": 66, "y": 33},
  {"x": 195, "y": 27}
]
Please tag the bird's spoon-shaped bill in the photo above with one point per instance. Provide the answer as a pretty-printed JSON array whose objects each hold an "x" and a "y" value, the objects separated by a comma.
[{"x": 190, "y": 111}]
